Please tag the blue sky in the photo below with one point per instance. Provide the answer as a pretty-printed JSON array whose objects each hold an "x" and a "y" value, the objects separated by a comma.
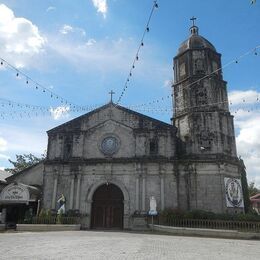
[{"x": 83, "y": 49}]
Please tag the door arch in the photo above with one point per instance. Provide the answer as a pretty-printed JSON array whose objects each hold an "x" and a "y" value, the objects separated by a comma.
[{"x": 107, "y": 207}]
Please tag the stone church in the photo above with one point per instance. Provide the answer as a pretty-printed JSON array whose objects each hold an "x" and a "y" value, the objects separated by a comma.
[{"x": 109, "y": 162}]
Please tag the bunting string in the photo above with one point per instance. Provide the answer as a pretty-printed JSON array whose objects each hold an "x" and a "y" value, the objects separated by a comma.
[
  {"x": 29, "y": 81},
  {"x": 136, "y": 58},
  {"x": 208, "y": 76}
]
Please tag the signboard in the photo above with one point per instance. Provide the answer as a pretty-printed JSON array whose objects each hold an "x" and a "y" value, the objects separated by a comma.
[
  {"x": 15, "y": 193},
  {"x": 153, "y": 205},
  {"x": 234, "y": 194}
]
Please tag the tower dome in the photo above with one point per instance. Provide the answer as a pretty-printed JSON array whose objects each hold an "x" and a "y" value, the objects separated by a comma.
[{"x": 195, "y": 41}]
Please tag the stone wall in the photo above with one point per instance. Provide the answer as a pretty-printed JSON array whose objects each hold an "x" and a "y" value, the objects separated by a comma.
[
  {"x": 202, "y": 185},
  {"x": 138, "y": 183},
  {"x": 82, "y": 138}
]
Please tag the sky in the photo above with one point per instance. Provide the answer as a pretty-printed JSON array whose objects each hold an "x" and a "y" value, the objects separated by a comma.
[{"x": 72, "y": 53}]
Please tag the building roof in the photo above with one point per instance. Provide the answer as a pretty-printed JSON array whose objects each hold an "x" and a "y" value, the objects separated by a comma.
[
  {"x": 195, "y": 41},
  {"x": 78, "y": 119},
  {"x": 4, "y": 175},
  {"x": 12, "y": 177},
  {"x": 256, "y": 197}
]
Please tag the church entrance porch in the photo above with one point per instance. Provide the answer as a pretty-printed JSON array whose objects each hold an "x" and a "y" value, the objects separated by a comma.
[{"x": 107, "y": 207}]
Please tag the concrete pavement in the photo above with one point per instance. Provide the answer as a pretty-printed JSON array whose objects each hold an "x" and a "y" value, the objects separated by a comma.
[{"x": 121, "y": 245}]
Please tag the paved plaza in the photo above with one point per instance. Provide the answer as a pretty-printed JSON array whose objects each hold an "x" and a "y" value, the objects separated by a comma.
[{"x": 121, "y": 245}]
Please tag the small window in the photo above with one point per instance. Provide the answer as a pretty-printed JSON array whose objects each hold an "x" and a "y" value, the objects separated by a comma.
[
  {"x": 153, "y": 147},
  {"x": 199, "y": 66},
  {"x": 141, "y": 123},
  {"x": 67, "y": 152}
]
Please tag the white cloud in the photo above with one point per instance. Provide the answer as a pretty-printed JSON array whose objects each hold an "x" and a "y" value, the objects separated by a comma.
[
  {"x": 20, "y": 39},
  {"x": 66, "y": 29},
  {"x": 3, "y": 144},
  {"x": 97, "y": 55},
  {"x": 3, "y": 156},
  {"x": 23, "y": 140},
  {"x": 247, "y": 123},
  {"x": 167, "y": 83},
  {"x": 50, "y": 8},
  {"x": 110, "y": 56},
  {"x": 101, "y": 6},
  {"x": 60, "y": 112},
  {"x": 248, "y": 141},
  {"x": 90, "y": 42},
  {"x": 240, "y": 97}
]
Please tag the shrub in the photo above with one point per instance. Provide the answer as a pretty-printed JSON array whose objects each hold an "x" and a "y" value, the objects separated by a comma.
[
  {"x": 174, "y": 213},
  {"x": 42, "y": 213}
]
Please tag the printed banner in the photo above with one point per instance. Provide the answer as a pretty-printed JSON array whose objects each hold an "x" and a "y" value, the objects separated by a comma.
[{"x": 234, "y": 193}]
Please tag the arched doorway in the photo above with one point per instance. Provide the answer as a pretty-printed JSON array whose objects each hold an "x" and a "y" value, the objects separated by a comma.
[{"x": 107, "y": 207}]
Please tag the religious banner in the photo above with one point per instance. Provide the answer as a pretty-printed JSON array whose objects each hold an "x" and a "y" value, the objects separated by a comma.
[{"x": 234, "y": 194}]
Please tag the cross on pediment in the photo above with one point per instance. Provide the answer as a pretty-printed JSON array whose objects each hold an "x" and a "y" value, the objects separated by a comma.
[{"x": 111, "y": 93}]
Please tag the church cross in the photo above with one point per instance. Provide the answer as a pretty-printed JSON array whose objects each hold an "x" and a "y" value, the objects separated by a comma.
[
  {"x": 193, "y": 19},
  {"x": 111, "y": 95}
]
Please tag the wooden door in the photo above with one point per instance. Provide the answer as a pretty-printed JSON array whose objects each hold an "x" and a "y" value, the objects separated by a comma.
[{"x": 107, "y": 207}]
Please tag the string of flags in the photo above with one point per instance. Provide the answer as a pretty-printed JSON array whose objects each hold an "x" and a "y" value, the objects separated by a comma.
[
  {"x": 137, "y": 56},
  {"x": 38, "y": 86},
  {"x": 206, "y": 77},
  {"x": 29, "y": 111},
  {"x": 248, "y": 107},
  {"x": 29, "y": 81},
  {"x": 13, "y": 109}
]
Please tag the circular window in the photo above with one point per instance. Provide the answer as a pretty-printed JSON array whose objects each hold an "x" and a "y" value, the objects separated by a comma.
[{"x": 109, "y": 145}]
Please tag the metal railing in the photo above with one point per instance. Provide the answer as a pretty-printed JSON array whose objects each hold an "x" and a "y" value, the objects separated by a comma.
[{"x": 252, "y": 226}]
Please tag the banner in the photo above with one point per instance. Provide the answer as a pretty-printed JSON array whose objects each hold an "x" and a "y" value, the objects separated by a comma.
[{"x": 234, "y": 194}]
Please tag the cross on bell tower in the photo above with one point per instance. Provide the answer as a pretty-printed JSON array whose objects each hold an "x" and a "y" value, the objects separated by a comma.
[
  {"x": 111, "y": 93},
  {"x": 193, "y": 19},
  {"x": 194, "y": 29}
]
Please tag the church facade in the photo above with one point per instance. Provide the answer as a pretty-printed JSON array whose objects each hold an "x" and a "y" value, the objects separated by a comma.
[
  {"x": 110, "y": 162},
  {"x": 128, "y": 156}
]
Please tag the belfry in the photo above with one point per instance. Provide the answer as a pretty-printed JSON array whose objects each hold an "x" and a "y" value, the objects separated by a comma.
[
  {"x": 201, "y": 113},
  {"x": 206, "y": 138}
]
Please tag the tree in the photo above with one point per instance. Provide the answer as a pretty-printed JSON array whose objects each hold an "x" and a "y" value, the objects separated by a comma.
[
  {"x": 245, "y": 187},
  {"x": 252, "y": 189},
  {"x": 24, "y": 161}
]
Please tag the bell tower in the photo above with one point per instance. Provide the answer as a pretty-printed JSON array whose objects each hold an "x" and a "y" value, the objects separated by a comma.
[{"x": 201, "y": 111}]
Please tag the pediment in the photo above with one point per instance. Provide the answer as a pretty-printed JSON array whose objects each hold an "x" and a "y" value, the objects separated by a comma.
[
  {"x": 111, "y": 113},
  {"x": 110, "y": 125}
]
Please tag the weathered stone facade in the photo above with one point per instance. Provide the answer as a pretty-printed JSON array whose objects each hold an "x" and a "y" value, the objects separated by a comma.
[
  {"x": 142, "y": 166},
  {"x": 181, "y": 165},
  {"x": 206, "y": 148}
]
